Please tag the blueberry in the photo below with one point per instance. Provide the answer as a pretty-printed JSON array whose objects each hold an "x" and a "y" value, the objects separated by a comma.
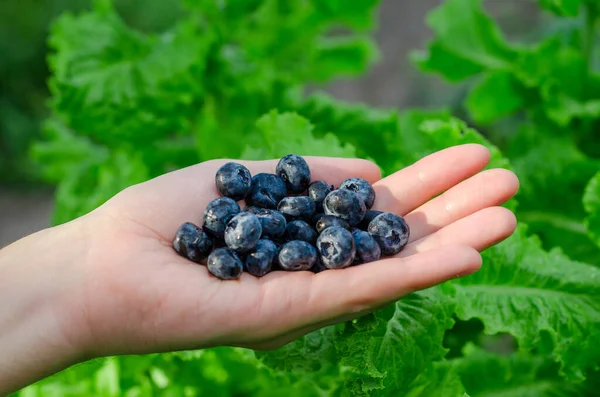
[
  {"x": 336, "y": 247},
  {"x": 233, "y": 180},
  {"x": 218, "y": 212},
  {"x": 345, "y": 204},
  {"x": 243, "y": 232},
  {"x": 276, "y": 264},
  {"x": 317, "y": 191},
  {"x": 369, "y": 216},
  {"x": 390, "y": 231},
  {"x": 192, "y": 243},
  {"x": 294, "y": 170},
  {"x": 362, "y": 188},
  {"x": 328, "y": 221},
  {"x": 297, "y": 207},
  {"x": 297, "y": 255},
  {"x": 316, "y": 218},
  {"x": 260, "y": 260},
  {"x": 267, "y": 190},
  {"x": 225, "y": 264},
  {"x": 300, "y": 230},
  {"x": 367, "y": 249},
  {"x": 318, "y": 266},
  {"x": 273, "y": 222}
]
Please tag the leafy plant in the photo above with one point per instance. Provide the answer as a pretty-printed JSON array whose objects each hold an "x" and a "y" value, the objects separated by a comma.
[
  {"x": 23, "y": 72},
  {"x": 127, "y": 106}
]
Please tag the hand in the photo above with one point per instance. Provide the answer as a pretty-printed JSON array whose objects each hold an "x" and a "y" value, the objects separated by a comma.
[{"x": 127, "y": 291}]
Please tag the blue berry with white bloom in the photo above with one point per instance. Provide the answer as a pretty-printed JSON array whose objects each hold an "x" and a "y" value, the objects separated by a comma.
[
  {"x": 225, "y": 264},
  {"x": 367, "y": 249},
  {"x": 217, "y": 214},
  {"x": 345, "y": 204},
  {"x": 362, "y": 188},
  {"x": 336, "y": 247},
  {"x": 233, "y": 180},
  {"x": 266, "y": 191},
  {"x": 391, "y": 233},
  {"x": 192, "y": 242},
  {"x": 294, "y": 170},
  {"x": 297, "y": 255},
  {"x": 243, "y": 232},
  {"x": 259, "y": 261}
]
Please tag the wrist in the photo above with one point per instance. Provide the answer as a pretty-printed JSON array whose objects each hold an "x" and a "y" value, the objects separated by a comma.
[{"x": 37, "y": 278}]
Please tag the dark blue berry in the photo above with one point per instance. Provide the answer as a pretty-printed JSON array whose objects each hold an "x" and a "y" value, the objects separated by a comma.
[
  {"x": 218, "y": 212},
  {"x": 294, "y": 170},
  {"x": 276, "y": 264},
  {"x": 391, "y": 233},
  {"x": 367, "y": 249},
  {"x": 233, "y": 180},
  {"x": 362, "y": 188},
  {"x": 225, "y": 264},
  {"x": 297, "y": 255},
  {"x": 345, "y": 204},
  {"x": 259, "y": 261},
  {"x": 192, "y": 243},
  {"x": 243, "y": 232},
  {"x": 369, "y": 216},
  {"x": 316, "y": 218},
  {"x": 336, "y": 247},
  {"x": 317, "y": 191},
  {"x": 266, "y": 191},
  {"x": 328, "y": 221},
  {"x": 298, "y": 207},
  {"x": 318, "y": 266},
  {"x": 273, "y": 222},
  {"x": 300, "y": 230}
]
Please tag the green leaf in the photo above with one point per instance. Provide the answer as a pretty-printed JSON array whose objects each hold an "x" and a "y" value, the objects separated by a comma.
[
  {"x": 552, "y": 170},
  {"x": 90, "y": 185},
  {"x": 107, "y": 379},
  {"x": 591, "y": 203},
  {"x": 559, "y": 73},
  {"x": 307, "y": 354},
  {"x": 440, "y": 379},
  {"x": 562, "y": 109},
  {"x": 519, "y": 374},
  {"x": 447, "y": 133},
  {"x": 562, "y": 7},
  {"x": 115, "y": 84},
  {"x": 541, "y": 298},
  {"x": 465, "y": 38},
  {"x": 372, "y": 132},
  {"x": 64, "y": 150},
  {"x": 344, "y": 56},
  {"x": 387, "y": 350},
  {"x": 450, "y": 65},
  {"x": 497, "y": 95},
  {"x": 358, "y": 13},
  {"x": 298, "y": 139}
]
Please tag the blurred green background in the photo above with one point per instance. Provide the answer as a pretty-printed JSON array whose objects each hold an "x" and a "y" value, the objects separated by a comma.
[{"x": 26, "y": 201}]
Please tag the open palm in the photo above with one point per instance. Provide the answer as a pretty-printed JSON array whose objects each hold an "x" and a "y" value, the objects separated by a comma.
[{"x": 138, "y": 296}]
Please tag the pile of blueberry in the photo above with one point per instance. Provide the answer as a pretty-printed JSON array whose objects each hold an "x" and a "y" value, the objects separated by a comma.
[{"x": 283, "y": 229}]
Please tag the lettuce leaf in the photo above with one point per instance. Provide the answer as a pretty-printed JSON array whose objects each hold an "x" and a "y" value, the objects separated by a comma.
[
  {"x": 544, "y": 299},
  {"x": 591, "y": 202},
  {"x": 467, "y": 41}
]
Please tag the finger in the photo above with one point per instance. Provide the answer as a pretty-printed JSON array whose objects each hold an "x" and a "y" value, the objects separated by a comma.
[
  {"x": 479, "y": 231},
  {"x": 316, "y": 299},
  {"x": 181, "y": 196},
  {"x": 412, "y": 186},
  {"x": 486, "y": 189}
]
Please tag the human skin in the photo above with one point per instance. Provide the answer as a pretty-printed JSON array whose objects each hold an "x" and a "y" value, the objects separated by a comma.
[{"x": 110, "y": 283}]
